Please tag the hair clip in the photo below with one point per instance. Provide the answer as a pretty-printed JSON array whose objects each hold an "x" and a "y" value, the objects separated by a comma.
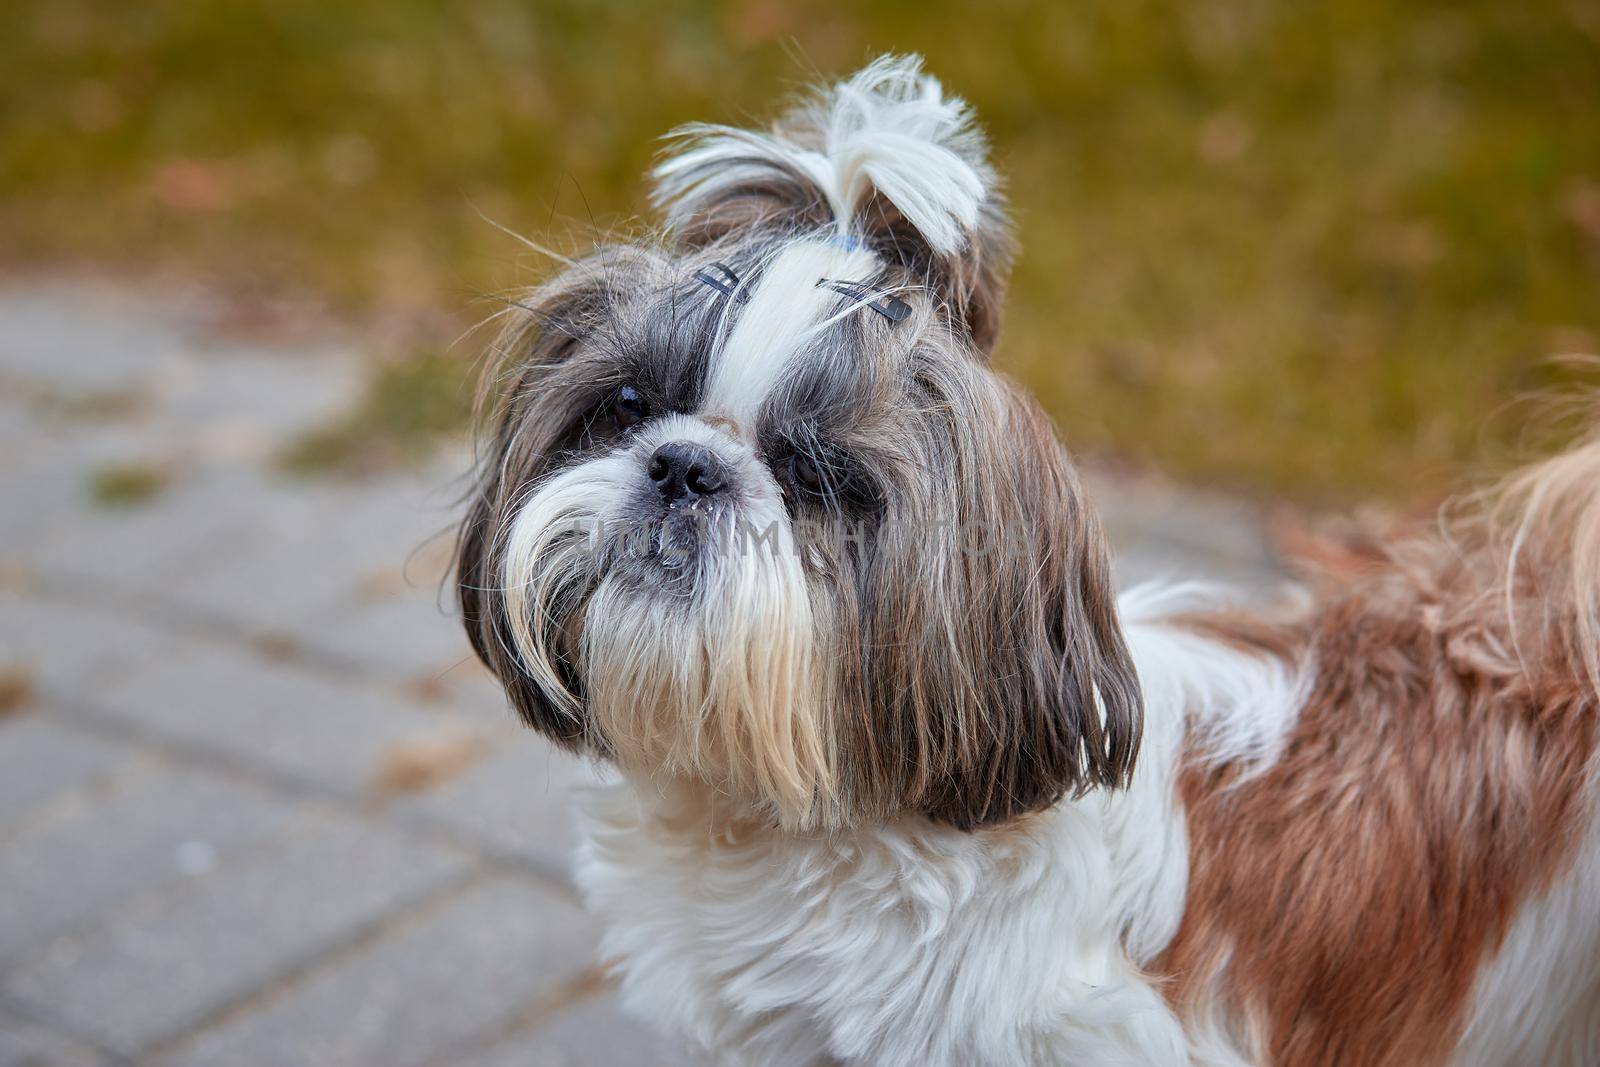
[
  {"x": 721, "y": 277},
  {"x": 890, "y": 307}
]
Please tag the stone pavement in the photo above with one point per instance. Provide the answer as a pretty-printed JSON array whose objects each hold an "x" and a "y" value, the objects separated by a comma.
[{"x": 257, "y": 804}]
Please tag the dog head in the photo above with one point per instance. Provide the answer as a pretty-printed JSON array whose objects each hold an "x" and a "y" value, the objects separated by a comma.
[{"x": 754, "y": 510}]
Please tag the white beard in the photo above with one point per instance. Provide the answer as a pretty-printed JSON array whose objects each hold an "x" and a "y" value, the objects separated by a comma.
[{"x": 725, "y": 680}]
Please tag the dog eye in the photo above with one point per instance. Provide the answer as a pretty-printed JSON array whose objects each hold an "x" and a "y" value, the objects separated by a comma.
[
  {"x": 628, "y": 409},
  {"x": 805, "y": 474}
]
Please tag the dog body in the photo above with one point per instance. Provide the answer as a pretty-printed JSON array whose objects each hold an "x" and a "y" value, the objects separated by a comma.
[
  {"x": 1051, "y": 941},
  {"x": 915, "y": 943},
  {"x": 902, "y": 781}
]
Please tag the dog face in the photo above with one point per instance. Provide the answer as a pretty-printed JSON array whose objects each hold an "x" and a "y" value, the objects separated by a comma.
[{"x": 756, "y": 512}]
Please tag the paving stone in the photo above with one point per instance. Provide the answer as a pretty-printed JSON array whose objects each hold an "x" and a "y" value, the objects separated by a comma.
[
  {"x": 90, "y": 848},
  {"x": 40, "y": 758},
  {"x": 423, "y": 991},
  {"x": 75, "y": 336},
  {"x": 464, "y": 688},
  {"x": 293, "y": 553},
  {"x": 276, "y": 394},
  {"x": 199, "y": 416},
  {"x": 25, "y": 1043},
  {"x": 43, "y": 478},
  {"x": 401, "y": 527},
  {"x": 167, "y": 959},
  {"x": 69, "y": 648},
  {"x": 267, "y": 713},
  {"x": 1139, "y": 561},
  {"x": 410, "y": 637},
  {"x": 518, "y": 802},
  {"x": 1193, "y": 531},
  {"x": 596, "y": 1033},
  {"x": 148, "y": 549},
  {"x": 229, "y": 542},
  {"x": 477, "y": 692},
  {"x": 277, "y": 577}
]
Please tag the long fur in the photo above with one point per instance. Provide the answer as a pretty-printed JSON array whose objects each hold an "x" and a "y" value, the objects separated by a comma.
[
  {"x": 890, "y": 130},
  {"x": 901, "y": 781}
]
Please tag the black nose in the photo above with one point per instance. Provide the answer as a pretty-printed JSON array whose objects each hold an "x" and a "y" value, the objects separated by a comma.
[{"x": 682, "y": 468}]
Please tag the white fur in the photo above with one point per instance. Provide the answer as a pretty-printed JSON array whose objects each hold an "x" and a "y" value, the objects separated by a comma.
[
  {"x": 915, "y": 944},
  {"x": 786, "y": 308},
  {"x": 548, "y": 550},
  {"x": 889, "y": 128},
  {"x": 1538, "y": 1000},
  {"x": 1251, "y": 703}
]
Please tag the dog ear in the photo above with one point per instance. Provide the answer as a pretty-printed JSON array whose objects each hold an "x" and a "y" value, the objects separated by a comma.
[
  {"x": 1000, "y": 672},
  {"x": 523, "y": 419},
  {"x": 884, "y": 159}
]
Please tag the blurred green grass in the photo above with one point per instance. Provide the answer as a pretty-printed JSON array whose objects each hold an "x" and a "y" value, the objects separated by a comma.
[{"x": 1305, "y": 249}]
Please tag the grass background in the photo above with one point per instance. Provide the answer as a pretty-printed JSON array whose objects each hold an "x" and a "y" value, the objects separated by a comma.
[{"x": 1306, "y": 249}]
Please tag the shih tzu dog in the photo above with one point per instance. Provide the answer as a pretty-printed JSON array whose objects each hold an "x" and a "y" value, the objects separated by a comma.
[{"x": 901, "y": 781}]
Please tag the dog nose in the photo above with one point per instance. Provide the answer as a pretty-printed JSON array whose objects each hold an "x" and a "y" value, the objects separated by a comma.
[{"x": 682, "y": 468}]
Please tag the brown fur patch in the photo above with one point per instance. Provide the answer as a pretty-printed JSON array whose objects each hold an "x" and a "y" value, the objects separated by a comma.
[{"x": 1342, "y": 901}]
